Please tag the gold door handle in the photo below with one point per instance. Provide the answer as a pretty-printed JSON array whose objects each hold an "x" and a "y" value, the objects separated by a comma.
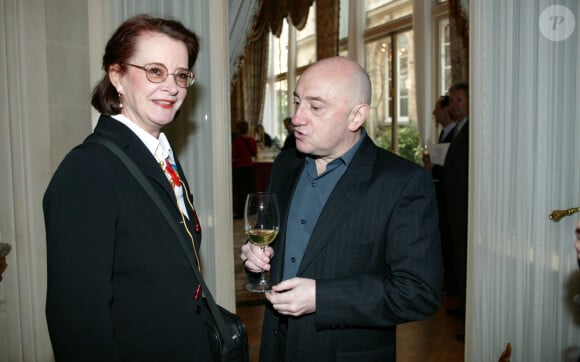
[{"x": 556, "y": 215}]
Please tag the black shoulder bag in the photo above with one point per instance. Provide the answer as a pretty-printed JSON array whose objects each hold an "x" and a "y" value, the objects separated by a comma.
[{"x": 226, "y": 331}]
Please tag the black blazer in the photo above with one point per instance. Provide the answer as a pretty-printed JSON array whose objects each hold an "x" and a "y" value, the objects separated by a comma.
[
  {"x": 119, "y": 283},
  {"x": 455, "y": 182},
  {"x": 374, "y": 254},
  {"x": 437, "y": 170}
]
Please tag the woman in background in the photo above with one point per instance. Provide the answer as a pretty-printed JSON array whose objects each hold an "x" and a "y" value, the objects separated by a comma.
[{"x": 244, "y": 150}]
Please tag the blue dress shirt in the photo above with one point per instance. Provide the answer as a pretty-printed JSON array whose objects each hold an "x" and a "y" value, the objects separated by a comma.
[{"x": 308, "y": 200}]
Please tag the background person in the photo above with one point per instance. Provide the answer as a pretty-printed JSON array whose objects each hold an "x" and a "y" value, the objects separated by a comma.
[
  {"x": 290, "y": 141},
  {"x": 244, "y": 150},
  {"x": 358, "y": 251},
  {"x": 119, "y": 283},
  {"x": 443, "y": 118},
  {"x": 577, "y": 242},
  {"x": 262, "y": 138},
  {"x": 455, "y": 185}
]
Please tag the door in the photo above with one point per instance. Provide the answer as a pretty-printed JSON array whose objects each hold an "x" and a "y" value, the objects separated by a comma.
[{"x": 524, "y": 163}]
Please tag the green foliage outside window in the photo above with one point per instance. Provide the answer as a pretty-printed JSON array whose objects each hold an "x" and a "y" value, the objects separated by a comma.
[{"x": 408, "y": 137}]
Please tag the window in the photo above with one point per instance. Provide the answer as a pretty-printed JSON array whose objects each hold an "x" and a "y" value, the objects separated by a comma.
[
  {"x": 444, "y": 55},
  {"x": 306, "y": 41},
  {"x": 389, "y": 60}
]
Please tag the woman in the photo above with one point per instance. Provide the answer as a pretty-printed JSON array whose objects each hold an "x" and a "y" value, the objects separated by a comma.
[
  {"x": 244, "y": 149},
  {"x": 119, "y": 284}
]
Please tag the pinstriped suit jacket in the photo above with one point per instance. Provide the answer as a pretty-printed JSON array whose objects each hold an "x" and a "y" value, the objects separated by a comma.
[{"x": 374, "y": 253}]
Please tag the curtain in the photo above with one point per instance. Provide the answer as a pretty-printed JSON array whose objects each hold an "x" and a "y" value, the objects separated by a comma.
[
  {"x": 248, "y": 91},
  {"x": 524, "y": 163},
  {"x": 273, "y": 13},
  {"x": 422, "y": 29},
  {"x": 242, "y": 16},
  {"x": 327, "y": 28},
  {"x": 459, "y": 31}
]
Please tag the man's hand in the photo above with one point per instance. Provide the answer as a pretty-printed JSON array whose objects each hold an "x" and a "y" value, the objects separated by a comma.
[
  {"x": 294, "y": 297},
  {"x": 427, "y": 162},
  {"x": 255, "y": 259}
]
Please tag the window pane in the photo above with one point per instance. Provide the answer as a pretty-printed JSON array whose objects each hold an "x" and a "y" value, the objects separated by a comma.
[
  {"x": 378, "y": 65},
  {"x": 379, "y": 12},
  {"x": 389, "y": 62},
  {"x": 280, "y": 51},
  {"x": 444, "y": 43},
  {"x": 343, "y": 20},
  {"x": 405, "y": 74},
  {"x": 306, "y": 41}
]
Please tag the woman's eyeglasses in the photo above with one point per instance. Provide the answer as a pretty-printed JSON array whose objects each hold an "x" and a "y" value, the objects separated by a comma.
[{"x": 157, "y": 73}]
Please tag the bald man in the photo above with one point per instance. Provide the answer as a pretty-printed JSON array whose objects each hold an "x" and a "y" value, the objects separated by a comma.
[{"x": 358, "y": 250}]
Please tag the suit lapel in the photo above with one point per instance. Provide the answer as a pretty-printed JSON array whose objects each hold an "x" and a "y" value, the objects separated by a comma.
[{"x": 345, "y": 197}]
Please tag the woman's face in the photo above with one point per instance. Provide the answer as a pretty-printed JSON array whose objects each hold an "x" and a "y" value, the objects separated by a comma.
[{"x": 152, "y": 105}]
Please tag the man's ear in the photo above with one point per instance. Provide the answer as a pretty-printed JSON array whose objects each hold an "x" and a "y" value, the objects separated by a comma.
[{"x": 359, "y": 115}]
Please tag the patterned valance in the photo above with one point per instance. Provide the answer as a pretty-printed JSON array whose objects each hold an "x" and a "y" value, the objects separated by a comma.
[{"x": 273, "y": 13}]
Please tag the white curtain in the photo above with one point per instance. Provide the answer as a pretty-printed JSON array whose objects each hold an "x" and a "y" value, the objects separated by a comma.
[
  {"x": 524, "y": 163},
  {"x": 422, "y": 30}
]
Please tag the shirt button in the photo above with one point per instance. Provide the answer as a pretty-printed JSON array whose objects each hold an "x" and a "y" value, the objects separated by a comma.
[
  {"x": 303, "y": 221},
  {"x": 293, "y": 259}
]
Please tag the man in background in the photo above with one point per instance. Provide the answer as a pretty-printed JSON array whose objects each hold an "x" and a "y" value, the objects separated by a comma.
[
  {"x": 443, "y": 118},
  {"x": 455, "y": 186}
]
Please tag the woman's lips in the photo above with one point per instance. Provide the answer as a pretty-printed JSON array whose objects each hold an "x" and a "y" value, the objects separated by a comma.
[{"x": 164, "y": 103}]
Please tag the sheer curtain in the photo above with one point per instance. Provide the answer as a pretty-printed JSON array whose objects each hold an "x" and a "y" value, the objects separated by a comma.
[
  {"x": 422, "y": 30},
  {"x": 524, "y": 163}
]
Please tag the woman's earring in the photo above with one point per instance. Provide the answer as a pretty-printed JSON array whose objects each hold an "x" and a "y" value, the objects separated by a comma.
[{"x": 120, "y": 100}]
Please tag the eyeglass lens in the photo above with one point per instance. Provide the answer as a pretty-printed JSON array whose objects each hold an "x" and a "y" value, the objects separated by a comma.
[{"x": 157, "y": 73}]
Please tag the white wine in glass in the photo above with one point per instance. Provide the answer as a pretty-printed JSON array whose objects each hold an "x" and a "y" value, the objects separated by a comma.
[{"x": 261, "y": 225}]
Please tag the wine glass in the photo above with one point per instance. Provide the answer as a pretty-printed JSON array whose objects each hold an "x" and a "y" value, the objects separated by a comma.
[{"x": 261, "y": 225}]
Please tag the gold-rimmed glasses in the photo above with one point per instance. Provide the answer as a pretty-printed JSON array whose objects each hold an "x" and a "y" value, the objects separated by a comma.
[{"x": 157, "y": 73}]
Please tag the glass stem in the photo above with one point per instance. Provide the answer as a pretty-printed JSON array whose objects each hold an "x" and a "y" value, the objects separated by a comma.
[{"x": 263, "y": 272}]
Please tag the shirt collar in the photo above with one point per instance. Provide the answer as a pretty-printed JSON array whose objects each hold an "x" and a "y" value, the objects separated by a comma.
[
  {"x": 347, "y": 157},
  {"x": 449, "y": 127},
  {"x": 159, "y": 148},
  {"x": 461, "y": 124}
]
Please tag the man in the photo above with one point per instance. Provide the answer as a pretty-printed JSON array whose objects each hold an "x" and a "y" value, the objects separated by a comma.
[
  {"x": 358, "y": 250},
  {"x": 454, "y": 180},
  {"x": 443, "y": 118}
]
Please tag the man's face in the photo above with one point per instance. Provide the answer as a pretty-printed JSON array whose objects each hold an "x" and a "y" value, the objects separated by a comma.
[
  {"x": 440, "y": 114},
  {"x": 323, "y": 113},
  {"x": 458, "y": 104}
]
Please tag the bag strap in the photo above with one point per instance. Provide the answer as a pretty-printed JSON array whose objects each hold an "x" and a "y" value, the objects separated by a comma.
[{"x": 138, "y": 175}]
